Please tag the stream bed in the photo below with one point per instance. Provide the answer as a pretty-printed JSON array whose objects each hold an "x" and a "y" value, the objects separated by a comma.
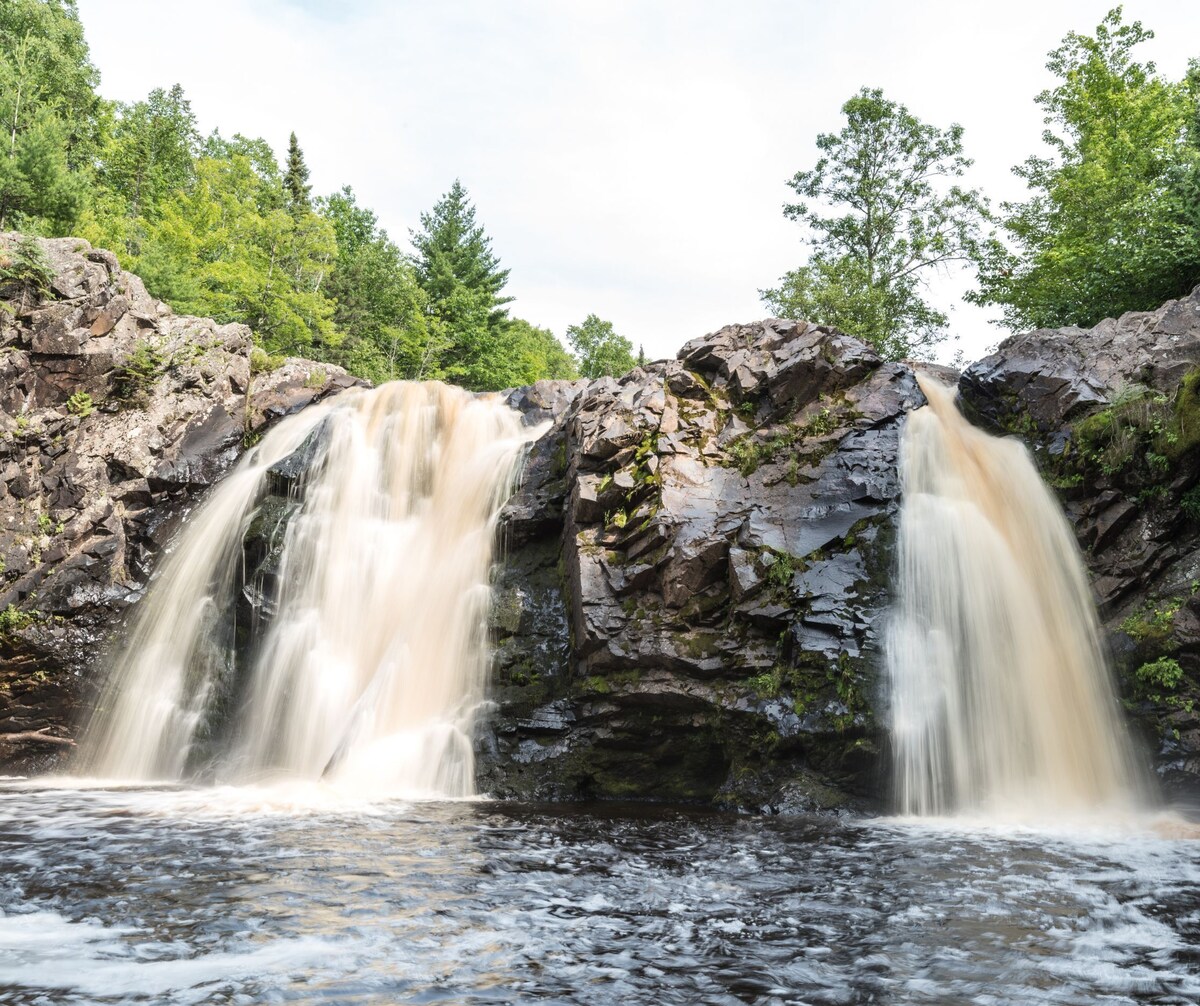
[{"x": 302, "y": 895}]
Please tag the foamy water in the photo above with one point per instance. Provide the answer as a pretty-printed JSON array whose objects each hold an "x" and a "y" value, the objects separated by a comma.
[
  {"x": 366, "y": 660},
  {"x": 304, "y": 894},
  {"x": 1001, "y": 700}
]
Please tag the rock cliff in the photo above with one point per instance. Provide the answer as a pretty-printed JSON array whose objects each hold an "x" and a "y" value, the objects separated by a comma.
[
  {"x": 696, "y": 562},
  {"x": 696, "y": 577},
  {"x": 115, "y": 416}
]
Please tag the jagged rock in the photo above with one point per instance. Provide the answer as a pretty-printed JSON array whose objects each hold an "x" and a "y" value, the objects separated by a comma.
[
  {"x": 717, "y": 530},
  {"x": 1054, "y": 376},
  {"x": 94, "y": 471}
]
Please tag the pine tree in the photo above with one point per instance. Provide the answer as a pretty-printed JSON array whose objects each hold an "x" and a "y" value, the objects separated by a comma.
[
  {"x": 462, "y": 280},
  {"x": 295, "y": 178}
]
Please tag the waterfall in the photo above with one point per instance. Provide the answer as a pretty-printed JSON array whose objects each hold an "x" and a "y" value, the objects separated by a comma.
[
  {"x": 1001, "y": 700},
  {"x": 363, "y": 656}
]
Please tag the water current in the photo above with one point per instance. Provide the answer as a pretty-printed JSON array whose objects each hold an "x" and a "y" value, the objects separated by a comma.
[{"x": 243, "y": 895}]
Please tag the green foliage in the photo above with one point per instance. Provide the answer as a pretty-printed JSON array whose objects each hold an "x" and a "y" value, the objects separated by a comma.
[
  {"x": 1113, "y": 220},
  {"x": 601, "y": 351},
  {"x": 865, "y": 273},
  {"x": 13, "y": 619},
  {"x": 133, "y": 378},
  {"x": 52, "y": 118},
  {"x": 80, "y": 404},
  {"x": 24, "y": 269},
  {"x": 379, "y": 306},
  {"x": 37, "y": 189},
  {"x": 1162, "y": 674},
  {"x": 748, "y": 452},
  {"x": 1140, "y": 441},
  {"x": 1153, "y": 623},
  {"x": 226, "y": 247},
  {"x": 1190, "y": 503},
  {"x": 150, "y": 155},
  {"x": 1116, "y": 437},
  {"x": 768, "y": 684},
  {"x": 537, "y": 354},
  {"x": 781, "y": 571},
  {"x": 262, "y": 362}
]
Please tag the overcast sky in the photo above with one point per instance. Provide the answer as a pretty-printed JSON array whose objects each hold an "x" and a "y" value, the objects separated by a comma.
[{"x": 627, "y": 158}]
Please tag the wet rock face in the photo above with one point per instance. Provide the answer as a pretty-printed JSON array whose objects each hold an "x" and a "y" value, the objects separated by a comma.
[
  {"x": 1113, "y": 417},
  {"x": 715, "y": 530},
  {"x": 1050, "y": 377},
  {"x": 117, "y": 415}
]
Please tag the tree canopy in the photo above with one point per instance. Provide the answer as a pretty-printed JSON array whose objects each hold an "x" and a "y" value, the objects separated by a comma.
[
  {"x": 1112, "y": 223},
  {"x": 50, "y": 114},
  {"x": 898, "y": 216},
  {"x": 602, "y": 352}
]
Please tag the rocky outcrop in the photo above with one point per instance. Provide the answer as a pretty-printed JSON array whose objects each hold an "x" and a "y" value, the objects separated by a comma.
[
  {"x": 117, "y": 415},
  {"x": 1113, "y": 416},
  {"x": 713, "y": 533},
  {"x": 697, "y": 558}
]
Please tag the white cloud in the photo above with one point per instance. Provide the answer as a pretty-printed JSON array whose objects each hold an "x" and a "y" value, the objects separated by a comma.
[{"x": 628, "y": 158}]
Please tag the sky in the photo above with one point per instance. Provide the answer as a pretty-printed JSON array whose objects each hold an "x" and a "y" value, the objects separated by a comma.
[{"x": 627, "y": 158}]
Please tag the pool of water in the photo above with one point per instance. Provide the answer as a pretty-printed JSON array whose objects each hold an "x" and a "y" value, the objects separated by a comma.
[{"x": 277, "y": 895}]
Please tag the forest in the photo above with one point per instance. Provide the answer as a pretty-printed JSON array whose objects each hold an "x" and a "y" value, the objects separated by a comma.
[{"x": 218, "y": 226}]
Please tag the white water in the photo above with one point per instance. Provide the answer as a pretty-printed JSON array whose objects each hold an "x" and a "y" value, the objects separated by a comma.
[
  {"x": 373, "y": 668},
  {"x": 1001, "y": 698}
]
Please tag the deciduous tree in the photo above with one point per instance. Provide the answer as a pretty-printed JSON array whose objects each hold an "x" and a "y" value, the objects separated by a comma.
[
  {"x": 601, "y": 351},
  {"x": 898, "y": 215},
  {"x": 1112, "y": 223}
]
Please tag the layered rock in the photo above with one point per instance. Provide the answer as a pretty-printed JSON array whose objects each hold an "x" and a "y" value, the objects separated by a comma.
[
  {"x": 1113, "y": 414},
  {"x": 714, "y": 531},
  {"x": 117, "y": 415}
]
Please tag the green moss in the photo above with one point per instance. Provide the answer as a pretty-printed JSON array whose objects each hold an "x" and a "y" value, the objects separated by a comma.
[{"x": 698, "y": 645}]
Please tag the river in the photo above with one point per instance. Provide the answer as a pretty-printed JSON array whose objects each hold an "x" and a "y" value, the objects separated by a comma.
[{"x": 252, "y": 895}]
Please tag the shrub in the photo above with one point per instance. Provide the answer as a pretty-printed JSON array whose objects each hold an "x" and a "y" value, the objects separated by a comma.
[{"x": 80, "y": 404}]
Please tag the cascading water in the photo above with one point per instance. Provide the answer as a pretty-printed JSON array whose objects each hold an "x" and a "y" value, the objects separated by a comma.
[
  {"x": 367, "y": 663},
  {"x": 1001, "y": 698}
]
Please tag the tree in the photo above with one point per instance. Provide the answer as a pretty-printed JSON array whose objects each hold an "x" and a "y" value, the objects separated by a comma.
[
  {"x": 37, "y": 189},
  {"x": 47, "y": 67},
  {"x": 537, "y": 355},
  {"x": 149, "y": 156},
  {"x": 1113, "y": 220},
  {"x": 904, "y": 218},
  {"x": 50, "y": 115},
  {"x": 380, "y": 308},
  {"x": 295, "y": 178},
  {"x": 226, "y": 247},
  {"x": 601, "y": 351},
  {"x": 462, "y": 280}
]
